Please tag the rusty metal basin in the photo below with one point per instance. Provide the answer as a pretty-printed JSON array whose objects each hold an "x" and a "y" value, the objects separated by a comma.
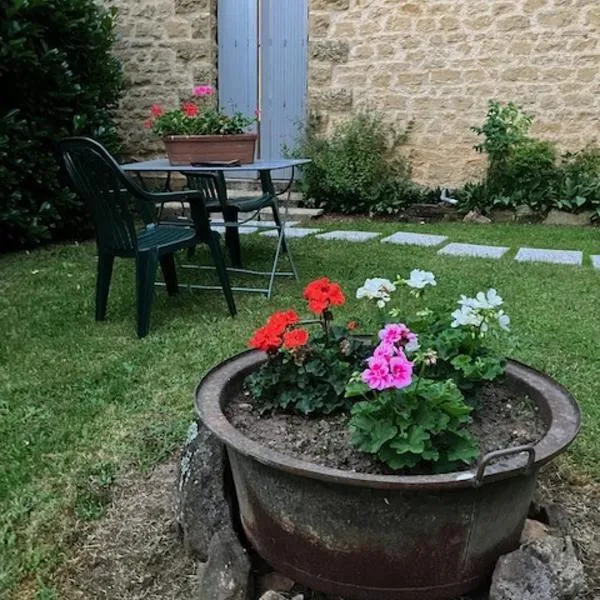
[{"x": 383, "y": 537}]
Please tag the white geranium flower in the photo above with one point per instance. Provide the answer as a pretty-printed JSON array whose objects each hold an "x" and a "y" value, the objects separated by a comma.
[
  {"x": 420, "y": 279},
  {"x": 504, "y": 321},
  {"x": 378, "y": 289},
  {"x": 466, "y": 316},
  {"x": 413, "y": 345}
]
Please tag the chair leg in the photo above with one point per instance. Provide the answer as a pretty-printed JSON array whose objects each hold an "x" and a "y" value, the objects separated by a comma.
[
  {"x": 105, "y": 267},
  {"x": 146, "y": 264},
  {"x": 232, "y": 237},
  {"x": 217, "y": 256},
  {"x": 167, "y": 265}
]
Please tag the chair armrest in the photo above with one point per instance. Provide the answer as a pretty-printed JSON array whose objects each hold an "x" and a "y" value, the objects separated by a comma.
[{"x": 182, "y": 196}]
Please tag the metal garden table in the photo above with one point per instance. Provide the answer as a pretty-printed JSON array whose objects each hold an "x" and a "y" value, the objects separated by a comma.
[{"x": 264, "y": 169}]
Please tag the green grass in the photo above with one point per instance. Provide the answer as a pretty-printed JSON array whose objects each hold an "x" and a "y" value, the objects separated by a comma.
[{"x": 81, "y": 401}]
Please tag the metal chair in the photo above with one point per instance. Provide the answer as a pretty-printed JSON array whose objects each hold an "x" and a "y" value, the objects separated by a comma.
[
  {"x": 213, "y": 188},
  {"x": 108, "y": 192}
]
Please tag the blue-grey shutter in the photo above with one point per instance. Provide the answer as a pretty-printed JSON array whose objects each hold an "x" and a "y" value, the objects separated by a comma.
[
  {"x": 284, "y": 65},
  {"x": 238, "y": 61}
]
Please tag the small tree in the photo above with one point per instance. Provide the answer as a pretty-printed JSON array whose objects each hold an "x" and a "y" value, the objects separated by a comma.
[{"x": 58, "y": 77}]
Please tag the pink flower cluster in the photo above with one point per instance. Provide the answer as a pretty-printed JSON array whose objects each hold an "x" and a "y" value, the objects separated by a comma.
[
  {"x": 389, "y": 367},
  {"x": 204, "y": 90}
]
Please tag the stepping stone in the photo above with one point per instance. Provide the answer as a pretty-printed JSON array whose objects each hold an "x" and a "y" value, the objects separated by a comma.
[
  {"x": 292, "y": 232},
  {"x": 348, "y": 236},
  {"x": 415, "y": 239},
  {"x": 474, "y": 250},
  {"x": 596, "y": 261},
  {"x": 242, "y": 230},
  {"x": 260, "y": 224},
  {"x": 561, "y": 257}
]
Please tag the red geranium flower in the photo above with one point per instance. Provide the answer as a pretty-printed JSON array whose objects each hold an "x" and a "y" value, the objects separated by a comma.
[
  {"x": 295, "y": 338},
  {"x": 322, "y": 293},
  {"x": 265, "y": 339},
  {"x": 156, "y": 110},
  {"x": 278, "y": 321},
  {"x": 190, "y": 109},
  {"x": 148, "y": 123}
]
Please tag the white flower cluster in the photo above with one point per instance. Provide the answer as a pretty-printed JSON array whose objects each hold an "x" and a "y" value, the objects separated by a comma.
[
  {"x": 480, "y": 311},
  {"x": 419, "y": 279},
  {"x": 377, "y": 289}
]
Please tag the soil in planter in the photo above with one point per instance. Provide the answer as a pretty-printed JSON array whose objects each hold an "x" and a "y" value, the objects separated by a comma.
[{"x": 503, "y": 420}]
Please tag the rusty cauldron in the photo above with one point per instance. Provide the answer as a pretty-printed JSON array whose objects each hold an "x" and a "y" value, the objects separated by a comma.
[{"x": 384, "y": 537}]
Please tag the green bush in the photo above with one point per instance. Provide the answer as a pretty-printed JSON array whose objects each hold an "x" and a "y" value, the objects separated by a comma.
[
  {"x": 58, "y": 78},
  {"x": 524, "y": 170},
  {"x": 356, "y": 170}
]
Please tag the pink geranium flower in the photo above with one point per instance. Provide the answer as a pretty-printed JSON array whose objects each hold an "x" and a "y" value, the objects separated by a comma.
[
  {"x": 394, "y": 333},
  {"x": 204, "y": 90},
  {"x": 377, "y": 375},
  {"x": 401, "y": 370},
  {"x": 385, "y": 351}
]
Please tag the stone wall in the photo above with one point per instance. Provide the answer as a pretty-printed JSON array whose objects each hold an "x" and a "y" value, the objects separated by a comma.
[
  {"x": 437, "y": 62},
  {"x": 433, "y": 62},
  {"x": 166, "y": 47}
]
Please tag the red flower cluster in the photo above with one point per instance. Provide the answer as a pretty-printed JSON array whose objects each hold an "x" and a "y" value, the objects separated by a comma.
[
  {"x": 322, "y": 293},
  {"x": 189, "y": 109},
  {"x": 278, "y": 332}
]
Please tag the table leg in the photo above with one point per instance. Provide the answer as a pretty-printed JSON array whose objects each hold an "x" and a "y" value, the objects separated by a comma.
[{"x": 268, "y": 188}]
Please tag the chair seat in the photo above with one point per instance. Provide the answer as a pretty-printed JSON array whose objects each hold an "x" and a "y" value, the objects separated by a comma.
[
  {"x": 245, "y": 204},
  {"x": 164, "y": 237}
]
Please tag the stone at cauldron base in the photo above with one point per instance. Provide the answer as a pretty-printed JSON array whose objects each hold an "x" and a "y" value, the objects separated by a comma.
[
  {"x": 532, "y": 530},
  {"x": 272, "y": 595},
  {"x": 521, "y": 576},
  {"x": 559, "y": 555},
  {"x": 275, "y": 582},
  {"x": 226, "y": 575},
  {"x": 202, "y": 507}
]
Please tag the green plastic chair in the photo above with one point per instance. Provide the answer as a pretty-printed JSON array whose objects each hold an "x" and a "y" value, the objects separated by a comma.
[
  {"x": 109, "y": 192},
  {"x": 214, "y": 188}
]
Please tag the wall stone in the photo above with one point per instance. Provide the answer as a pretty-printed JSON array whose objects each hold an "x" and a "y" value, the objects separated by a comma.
[
  {"x": 432, "y": 62},
  {"x": 437, "y": 62},
  {"x": 166, "y": 47}
]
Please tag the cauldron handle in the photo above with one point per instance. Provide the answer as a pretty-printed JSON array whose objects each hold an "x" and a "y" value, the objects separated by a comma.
[{"x": 484, "y": 462}]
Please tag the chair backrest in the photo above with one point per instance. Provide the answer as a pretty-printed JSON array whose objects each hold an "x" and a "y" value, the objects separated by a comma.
[
  {"x": 97, "y": 178},
  {"x": 212, "y": 186}
]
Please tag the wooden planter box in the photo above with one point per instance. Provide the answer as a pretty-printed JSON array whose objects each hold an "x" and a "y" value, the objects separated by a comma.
[{"x": 191, "y": 149}]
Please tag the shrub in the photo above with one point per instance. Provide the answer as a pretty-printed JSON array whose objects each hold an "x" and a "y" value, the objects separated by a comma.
[
  {"x": 58, "y": 78},
  {"x": 579, "y": 181},
  {"x": 355, "y": 170}
]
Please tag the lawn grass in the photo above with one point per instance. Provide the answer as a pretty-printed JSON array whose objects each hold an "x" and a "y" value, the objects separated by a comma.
[{"x": 81, "y": 401}]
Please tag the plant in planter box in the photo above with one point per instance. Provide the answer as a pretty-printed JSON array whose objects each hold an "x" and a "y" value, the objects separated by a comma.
[
  {"x": 408, "y": 392},
  {"x": 198, "y": 131},
  {"x": 404, "y": 398}
]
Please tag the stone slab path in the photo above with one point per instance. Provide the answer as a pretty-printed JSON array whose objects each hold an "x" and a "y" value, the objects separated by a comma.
[
  {"x": 525, "y": 254},
  {"x": 562, "y": 257},
  {"x": 415, "y": 239},
  {"x": 348, "y": 236},
  {"x": 474, "y": 250}
]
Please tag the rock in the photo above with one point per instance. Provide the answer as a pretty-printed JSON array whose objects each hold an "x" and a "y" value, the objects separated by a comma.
[
  {"x": 557, "y": 517},
  {"x": 476, "y": 217},
  {"x": 532, "y": 530},
  {"x": 275, "y": 581},
  {"x": 525, "y": 214},
  {"x": 521, "y": 576},
  {"x": 202, "y": 508},
  {"x": 272, "y": 595},
  {"x": 558, "y": 554},
  {"x": 561, "y": 217},
  {"x": 226, "y": 575},
  {"x": 503, "y": 215}
]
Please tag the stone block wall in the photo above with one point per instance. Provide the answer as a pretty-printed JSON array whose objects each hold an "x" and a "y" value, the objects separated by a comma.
[
  {"x": 437, "y": 62},
  {"x": 166, "y": 47},
  {"x": 433, "y": 62}
]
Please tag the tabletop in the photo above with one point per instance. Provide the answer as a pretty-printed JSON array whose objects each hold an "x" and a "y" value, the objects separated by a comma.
[{"x": 163, "y": 164}]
